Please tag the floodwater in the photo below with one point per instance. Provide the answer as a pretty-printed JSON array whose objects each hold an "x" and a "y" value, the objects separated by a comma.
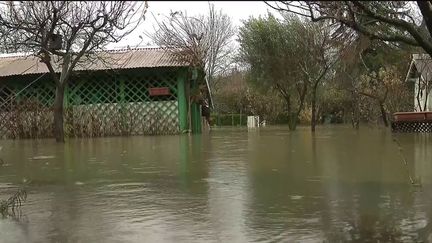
[{"x": 232, "y": 185}]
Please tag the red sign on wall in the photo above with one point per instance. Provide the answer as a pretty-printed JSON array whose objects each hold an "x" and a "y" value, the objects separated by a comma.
[{"x": 159, "y": 91}]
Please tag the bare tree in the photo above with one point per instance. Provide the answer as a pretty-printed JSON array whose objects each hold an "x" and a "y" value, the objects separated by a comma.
[
  {"x": 220, "y": 50},
  {"x": 319, "y": 55},
  {"x": 202, "y": 41},
  {"x": 394, "y": 21},
  {"x": 64, "y": 33},
  {"x": 371, "y": 72}
]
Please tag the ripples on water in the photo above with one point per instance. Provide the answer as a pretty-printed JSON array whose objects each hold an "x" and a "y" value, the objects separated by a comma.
[{"x": 233, "y": 185}]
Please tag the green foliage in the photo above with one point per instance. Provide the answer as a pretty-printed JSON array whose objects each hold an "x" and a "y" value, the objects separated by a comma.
[
  {"x": 235, "y": 94},
  {"x": 268, "y": 46},
  {"x": 285, "y": 57},
  {"x": 279, "y": 54}
]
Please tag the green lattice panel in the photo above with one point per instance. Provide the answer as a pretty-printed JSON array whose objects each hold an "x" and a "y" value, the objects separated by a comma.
[
  {"x": 6, "y": 104},
  {"x": 157, "y": 117},
  {"x": 25, "y": 111},
  {"x": 41, "y": 92},
  {"x": 121, "y": 105},
  {"x": 92, "y": 108},
  {"x": 97, "y": 104},
  {"x": 150, "y": 115}
]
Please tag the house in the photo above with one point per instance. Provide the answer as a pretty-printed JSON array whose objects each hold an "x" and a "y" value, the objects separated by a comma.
[
  {"x": 420, "y": 74},
  {"x": 143, "y": 91}
]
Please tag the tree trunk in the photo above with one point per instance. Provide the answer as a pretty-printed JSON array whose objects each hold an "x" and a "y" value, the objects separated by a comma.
[
  {"x": 58, "y": 101},
  {"x": 295, "y": 115},
  {"x": 383, "y": 114},
  {"x": 425, "y": 107},
  {"x": 355, "y": 113},
  {"x": 314, "y": 115},
  {"x": 292, "y": 122},
  {"x": 58, "y": 114},
  {"x": 419, "y": 104},
  {"x": 292, "y": 118}
]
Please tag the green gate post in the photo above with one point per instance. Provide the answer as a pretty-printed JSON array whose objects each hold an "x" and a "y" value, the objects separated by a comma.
[
  {"x": 195, "y": 108},
  {"x": 182, "y": 106},
  {"x": 196, "y": 118}
]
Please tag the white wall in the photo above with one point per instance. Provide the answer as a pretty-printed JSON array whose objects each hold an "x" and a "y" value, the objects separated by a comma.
[{"x": 421, "y": 98}]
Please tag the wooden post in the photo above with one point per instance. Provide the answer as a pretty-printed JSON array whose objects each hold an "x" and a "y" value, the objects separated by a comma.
[{"x": 182, "y": 106}]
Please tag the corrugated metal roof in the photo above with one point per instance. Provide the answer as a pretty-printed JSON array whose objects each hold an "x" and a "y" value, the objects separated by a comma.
[{"x": 113, "y": 59}]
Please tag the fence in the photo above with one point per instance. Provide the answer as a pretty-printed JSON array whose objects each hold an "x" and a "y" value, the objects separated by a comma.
[
  {"x": 96, "y": 104},
  {"x": 229, "y": 119}
]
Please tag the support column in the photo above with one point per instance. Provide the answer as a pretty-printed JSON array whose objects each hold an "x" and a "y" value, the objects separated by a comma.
[
  {"x": 182, "y": 104},
  {"x": 195, "y": 112},
  {"x": 196, "y": 118}
]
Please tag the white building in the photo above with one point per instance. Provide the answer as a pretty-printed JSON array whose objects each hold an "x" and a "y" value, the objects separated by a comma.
[{"x": 420, "y": 73}]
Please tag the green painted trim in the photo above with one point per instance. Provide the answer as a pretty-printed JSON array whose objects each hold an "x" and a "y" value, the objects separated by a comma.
[
  {"x": 182, "y": 103},
  {"x": 196, "y": 118},
  {"x": 195, "y": 112}
]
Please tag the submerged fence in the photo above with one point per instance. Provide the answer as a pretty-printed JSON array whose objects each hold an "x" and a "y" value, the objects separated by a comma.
[{"x": 229, "y": 119}]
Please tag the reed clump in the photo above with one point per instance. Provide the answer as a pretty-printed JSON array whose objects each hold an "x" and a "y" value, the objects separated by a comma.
[{"x": 12, "y": 205}]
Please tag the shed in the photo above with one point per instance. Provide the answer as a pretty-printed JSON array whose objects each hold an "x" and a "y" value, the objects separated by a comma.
[
  {"x": 143, "y": 91},
  {"x": 420, "y": 74}
]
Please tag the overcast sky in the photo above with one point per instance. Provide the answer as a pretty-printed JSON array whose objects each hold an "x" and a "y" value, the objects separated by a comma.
[{"x": 237, "y": 10}]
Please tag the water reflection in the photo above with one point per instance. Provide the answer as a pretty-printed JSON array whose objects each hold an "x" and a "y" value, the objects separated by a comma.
[{"x": 232, "y": 185}]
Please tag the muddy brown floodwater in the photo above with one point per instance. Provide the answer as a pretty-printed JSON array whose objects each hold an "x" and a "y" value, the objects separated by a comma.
[{"x": 232, "y": 185}]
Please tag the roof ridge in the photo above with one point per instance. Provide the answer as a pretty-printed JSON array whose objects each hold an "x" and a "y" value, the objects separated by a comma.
[
  {"x": 137, "y": 49},
  {"x": 421, "y": 56},
  {"x": 15, "y": 55},
  {"x": 131, "y": 49}
]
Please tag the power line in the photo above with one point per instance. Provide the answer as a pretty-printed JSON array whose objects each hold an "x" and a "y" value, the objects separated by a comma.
[{"x": 28, "y": 85}]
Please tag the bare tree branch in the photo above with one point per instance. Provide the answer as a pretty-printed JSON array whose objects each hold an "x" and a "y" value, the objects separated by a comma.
[
  {"x": 393, "y": 21},
  {"x": 64, "y": 34}
]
